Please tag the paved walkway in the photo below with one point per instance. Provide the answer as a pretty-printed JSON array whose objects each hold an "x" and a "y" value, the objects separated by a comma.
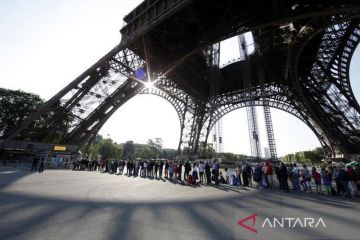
[{"x": 60, "y": 204}]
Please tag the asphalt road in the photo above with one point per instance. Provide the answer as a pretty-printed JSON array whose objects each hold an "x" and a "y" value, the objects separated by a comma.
[{"x": 61, "y": 204}]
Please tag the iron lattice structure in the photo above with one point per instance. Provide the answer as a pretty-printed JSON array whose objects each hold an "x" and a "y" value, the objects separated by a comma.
[{"x": 300, "y": 65}]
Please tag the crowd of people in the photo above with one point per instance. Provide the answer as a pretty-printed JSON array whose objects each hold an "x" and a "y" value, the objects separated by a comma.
[
  {"x": 337, "y": 180},
  {"x": 330, "y": 180},
  {"x": 346, "y": 179}
]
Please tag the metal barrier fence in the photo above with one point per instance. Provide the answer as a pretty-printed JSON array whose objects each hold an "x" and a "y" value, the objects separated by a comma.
[{"x": 26, "y": 164}]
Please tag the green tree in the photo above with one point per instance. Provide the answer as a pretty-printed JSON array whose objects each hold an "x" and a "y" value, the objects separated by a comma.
[
  {"x": 232, "y": 156},
  {"x": 155, "y": 146},
  {"x": 118, "y": 151},
  {"x": 146, "y": 152},
  {"x": 168, "y": 153},
  {"x": 314, "y": 156},
  {"x": 128, "y": 151},
  {"x": 227, "y": 156},
  {"x": 107, "y": 149},
  {"x": 15, "y": 106},
  {"x": 206, "y": 151},
  {"x": 318, "y": 155}
]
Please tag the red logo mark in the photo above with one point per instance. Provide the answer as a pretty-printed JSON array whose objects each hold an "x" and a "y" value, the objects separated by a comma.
[{"x": 253, "y": 217}]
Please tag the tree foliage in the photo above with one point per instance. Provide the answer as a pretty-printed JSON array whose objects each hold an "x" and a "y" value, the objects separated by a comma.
[
  {"x": 313, "y": 156},
  {"x": 129, "y": 150},
  {"x": 110, "y": 150},
  {"x": 155, "y": 147},
  {"x": 15, "y": 106},
  {"x": 232, "y": 157},
  {"x": 107, "y": 149},
  {"x": 206, "y": 151}
]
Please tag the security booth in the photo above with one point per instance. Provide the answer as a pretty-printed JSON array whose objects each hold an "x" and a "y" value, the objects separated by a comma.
[
  {"x": 54, "y": 155},
  {"x": 62, "y": 156}
]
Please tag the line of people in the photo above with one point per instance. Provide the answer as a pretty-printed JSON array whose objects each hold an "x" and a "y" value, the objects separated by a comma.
[
  {"x": 173, "y": 170},
  {"x": 337, "y": 180},
  {"x": 346, "y": 181}
]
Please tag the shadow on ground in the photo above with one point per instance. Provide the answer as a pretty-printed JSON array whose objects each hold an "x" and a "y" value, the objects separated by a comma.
[{"x": 25, "y": 215}]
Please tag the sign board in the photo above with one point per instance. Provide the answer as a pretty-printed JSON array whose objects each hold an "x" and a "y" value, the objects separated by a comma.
[{"x": 59, "y": 148}]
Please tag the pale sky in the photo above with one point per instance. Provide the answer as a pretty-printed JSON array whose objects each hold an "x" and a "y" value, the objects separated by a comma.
[{"x": 46, "y": 44}]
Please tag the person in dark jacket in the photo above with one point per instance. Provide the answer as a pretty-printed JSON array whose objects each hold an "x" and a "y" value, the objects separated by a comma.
[
  {"x": 245, "y": 175},
  {"x": 166, "y": 169},
  {"x": 317, "y": 178},
  {"x": 215, "y": 172},
  {"x": 187, "y": 169},
  {"x": 34, "y": 164},
  {"x": 283, "y": 177},
  {"x": 208, "y": 173},
  {"x": 161, "y": 169},
  {"x": 343, "y": 178},
  {"x": 41, "y": 167}
]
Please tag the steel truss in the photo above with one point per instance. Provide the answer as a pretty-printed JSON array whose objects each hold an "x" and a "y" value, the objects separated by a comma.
[
  {"x": 300, "y": 65},
  {"x": 325, "y": 90}
]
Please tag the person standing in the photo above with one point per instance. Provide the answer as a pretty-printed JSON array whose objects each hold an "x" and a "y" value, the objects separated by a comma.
[
  {"x": 201, "y": 171},
  {"x": 161, "y": 168},
  {"x": 327, "y": 182},
  {"x": 156, "y": 168},
  {"x": 357, "y": 172},
  {"x": 137, "y": 167},
  {"x": 269, "y": 174},
  {"x": 145, "y": 168},
  {"x": 187, "y": 167},
  {"x": 180, "y": 171},
  {"x": 352, "y": 180},
  {"x": 249, "y": 172},
  {"x": 150, "y": 169},
  {"x": 34, "y": 164},
  {"x": 307, "y": 177},
  {"x": 207, "y": 173},
  {"x": 245, "y": 176},
  {"x": 344, "y": 180},
  {"x": 194, "y": 174},
  {"x": 317, "y": 178},
  {"x": 166, "y": 169},
  {"x": 283, "y": 172},
  {"x": 128, "y": 167},
  {"x": 41, "y": 167},
  {"x": 238, "y": 173},
  {"x": 296, "y": 178},
  {"x": 171, "y": 171},
  {"x": 216, "y": 172}
]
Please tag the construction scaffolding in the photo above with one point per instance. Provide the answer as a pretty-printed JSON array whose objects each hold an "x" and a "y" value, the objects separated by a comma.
[
  {"x": 218, "y": 139},
  {"x": 255, "y": 145},
  {"x": 270, "y": 131}
]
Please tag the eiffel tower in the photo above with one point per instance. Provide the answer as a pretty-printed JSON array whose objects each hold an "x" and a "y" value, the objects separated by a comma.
[{"x": 170, "y": 48}]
